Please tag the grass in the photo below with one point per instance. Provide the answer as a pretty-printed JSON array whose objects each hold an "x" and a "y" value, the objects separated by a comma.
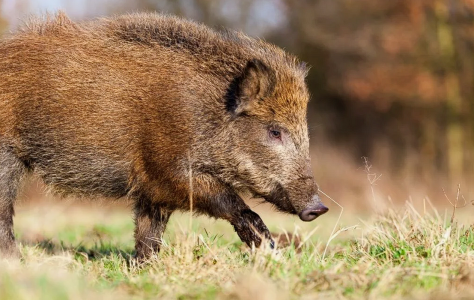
[{"x": 84, "y": 252}]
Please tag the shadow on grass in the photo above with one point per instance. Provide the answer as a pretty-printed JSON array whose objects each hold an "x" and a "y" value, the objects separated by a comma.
[{"x": 97, "y": 251}]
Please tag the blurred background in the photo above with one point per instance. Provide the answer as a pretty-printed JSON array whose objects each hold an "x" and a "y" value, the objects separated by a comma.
[{"x": 392, "y": 81}]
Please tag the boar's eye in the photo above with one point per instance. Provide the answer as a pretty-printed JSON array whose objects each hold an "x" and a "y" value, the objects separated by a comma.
[{"x": 275, "y": 134}]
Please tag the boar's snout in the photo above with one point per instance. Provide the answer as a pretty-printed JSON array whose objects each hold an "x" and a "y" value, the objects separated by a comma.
[{"x": 313, "y": 211}]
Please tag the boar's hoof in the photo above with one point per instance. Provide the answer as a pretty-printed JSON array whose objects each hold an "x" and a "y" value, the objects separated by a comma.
[
  {"x": 272, "y": 244},
  {"x": 312, "y": 213}
]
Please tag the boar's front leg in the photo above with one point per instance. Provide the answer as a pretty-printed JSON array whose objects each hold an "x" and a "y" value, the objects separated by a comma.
[
  {"x": 150, "y": 223},
  {"x": 220, "y": 201},
  {"x": 250, "y": 227}
]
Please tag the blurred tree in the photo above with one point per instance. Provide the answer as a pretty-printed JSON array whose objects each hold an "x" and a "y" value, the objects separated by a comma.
[
  {"x": 395, "y": 73},
  {"x": 454, "y": 101},
  {"x": 3, "y": 22}
]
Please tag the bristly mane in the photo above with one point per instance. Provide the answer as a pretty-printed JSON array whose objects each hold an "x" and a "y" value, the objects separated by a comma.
[
  {"x": 153, "y": 29},
  {"x": 48, "y": 24}
]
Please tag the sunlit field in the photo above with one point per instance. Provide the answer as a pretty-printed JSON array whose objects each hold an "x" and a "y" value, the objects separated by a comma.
[{"x": 82, "y": 250}]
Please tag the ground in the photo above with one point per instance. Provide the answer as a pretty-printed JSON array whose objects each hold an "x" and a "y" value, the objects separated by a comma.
[{"x": 84, "y": 251}]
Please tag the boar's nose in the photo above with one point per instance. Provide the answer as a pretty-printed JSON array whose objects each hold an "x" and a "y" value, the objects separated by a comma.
[{"x": 312, "y": 212}]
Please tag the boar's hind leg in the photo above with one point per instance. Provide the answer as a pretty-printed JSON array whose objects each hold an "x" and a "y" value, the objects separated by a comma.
[
  {"x": 150, "y": 223},
  {"x": 11, "y": 173}
]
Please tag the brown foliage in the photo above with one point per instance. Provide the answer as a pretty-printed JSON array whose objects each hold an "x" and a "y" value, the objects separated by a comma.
[{"x": 384, "y": 61}]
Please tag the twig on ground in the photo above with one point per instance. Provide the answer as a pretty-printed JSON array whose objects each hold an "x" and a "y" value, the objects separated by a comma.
[
  {"x": 455, "y": 204},
  {"x": 372, "y": 178},
  {"x": 333, "y": 235}
]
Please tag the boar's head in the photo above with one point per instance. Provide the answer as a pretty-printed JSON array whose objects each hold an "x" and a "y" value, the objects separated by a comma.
[{"x": 269, "y": 144}]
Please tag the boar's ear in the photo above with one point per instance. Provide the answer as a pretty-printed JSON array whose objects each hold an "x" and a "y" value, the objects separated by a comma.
[{"x": 256, "y": 82}]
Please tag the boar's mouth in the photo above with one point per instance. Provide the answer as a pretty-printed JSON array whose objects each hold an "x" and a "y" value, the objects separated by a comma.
[{"x": 280, "y": 198}]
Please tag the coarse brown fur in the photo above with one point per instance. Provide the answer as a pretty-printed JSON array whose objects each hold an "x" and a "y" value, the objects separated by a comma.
[{"x": 157, "y": 109}]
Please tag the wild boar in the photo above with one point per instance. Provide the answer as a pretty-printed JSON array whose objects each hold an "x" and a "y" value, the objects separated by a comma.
[{"x": 166, "y": 112}]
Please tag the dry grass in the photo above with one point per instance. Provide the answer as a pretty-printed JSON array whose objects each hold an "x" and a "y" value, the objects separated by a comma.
[{"x": 83, "y": 252}]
